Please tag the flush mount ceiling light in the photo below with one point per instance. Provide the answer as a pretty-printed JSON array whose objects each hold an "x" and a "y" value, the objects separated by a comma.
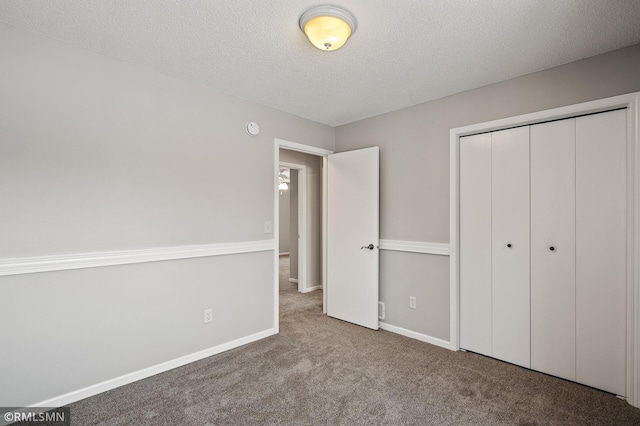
[
  {"x": 327, "y": 27},
  {"x": 284, "y": 179}
]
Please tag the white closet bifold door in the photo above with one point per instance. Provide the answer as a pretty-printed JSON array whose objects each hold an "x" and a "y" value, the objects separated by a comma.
[
  {"x": 510, "y": 245},
  {"x": 601, "y": 220},
  {"x": 553, "y": 211},
  {"x": 475, "y": 243}
]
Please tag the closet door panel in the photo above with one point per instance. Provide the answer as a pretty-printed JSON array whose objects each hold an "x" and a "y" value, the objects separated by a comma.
[
  {"x": 510, "y": 264},
  {"x": 601, "y": 251},
  {"x": 553, "y": 210},
  {"x": 475, "y": 243}
]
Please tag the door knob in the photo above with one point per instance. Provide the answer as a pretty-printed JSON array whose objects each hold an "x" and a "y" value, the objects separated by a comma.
[
  {"x": 370, "y": 247},
  {"x": 509, "y": 245},
  {"x": 552, "y": 248}
]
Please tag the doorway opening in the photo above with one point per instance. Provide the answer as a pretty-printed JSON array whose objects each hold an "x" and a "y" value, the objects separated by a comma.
[{"x": 306, "y": 220}]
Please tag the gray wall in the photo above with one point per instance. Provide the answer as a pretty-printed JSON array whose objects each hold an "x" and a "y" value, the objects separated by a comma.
[
  {"x": 96, "y": 155},
  {"x": 284, "y": 220},
  {"x": 72, "y": 329},
  {"x": 414, "y": 164},
  {"x": 314, "y": 210}
]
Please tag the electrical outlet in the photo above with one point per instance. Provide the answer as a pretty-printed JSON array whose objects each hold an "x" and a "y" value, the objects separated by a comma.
[
  {"x": 412, "y": 302},
  {"x": 208, "y": 315},
  {"x": 381, "y": 310},
  {"x": 267, "y": 227}
]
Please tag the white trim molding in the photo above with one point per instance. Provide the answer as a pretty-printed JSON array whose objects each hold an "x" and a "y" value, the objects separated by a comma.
[
  {"x": 293, "y": 280},
  {"x": 629, "y": 101},
  {"x": 414, "y": 335},
  {"x": 125, "y": 379},
  {"x": 303, "y": 222},
  {"x": 308, "y": 149},
  {"x": 50, "y": 263},
  {"x": 312, "y": 288},
  {"x": 415, "y": 247}
]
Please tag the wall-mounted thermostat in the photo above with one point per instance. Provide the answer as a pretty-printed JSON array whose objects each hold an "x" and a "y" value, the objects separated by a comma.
[{"x": 253, "y": 128}]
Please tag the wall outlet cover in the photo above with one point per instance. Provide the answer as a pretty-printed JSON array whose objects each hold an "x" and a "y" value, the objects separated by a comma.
[{"x": 412, "y": 302}]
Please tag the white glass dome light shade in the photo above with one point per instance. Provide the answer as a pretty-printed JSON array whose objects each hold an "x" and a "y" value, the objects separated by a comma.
[{"x": 327, "y": 27}]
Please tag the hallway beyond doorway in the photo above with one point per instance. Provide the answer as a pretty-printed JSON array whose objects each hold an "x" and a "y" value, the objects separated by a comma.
[{"x": 291, "y": 300}]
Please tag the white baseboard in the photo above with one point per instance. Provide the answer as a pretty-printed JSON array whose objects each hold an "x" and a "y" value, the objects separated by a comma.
[
  {"x": 92, "y": 390},
  {"x": 286, "y": 253},
  {"x": 293, "y": 280},
  {"x": 310, "y": 289},
  {"x": 415, "y": 335}
]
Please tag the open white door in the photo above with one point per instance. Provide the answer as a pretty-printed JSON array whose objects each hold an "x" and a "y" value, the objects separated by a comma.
[{"x": 352, "y": 236}]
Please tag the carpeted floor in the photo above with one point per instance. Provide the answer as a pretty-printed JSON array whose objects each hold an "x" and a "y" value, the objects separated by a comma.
[{"x": 319, "y": 370}]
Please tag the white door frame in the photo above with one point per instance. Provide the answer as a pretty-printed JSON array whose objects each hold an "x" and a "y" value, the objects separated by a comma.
[
  {"x": 302, "y": 238},
  {"x": 308, "y": 149},
  {"x": 632, "y": 103}
]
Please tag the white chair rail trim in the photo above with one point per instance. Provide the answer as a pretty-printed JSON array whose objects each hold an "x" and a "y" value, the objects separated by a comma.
[
  {"x": 30, "y": 265},
  {"x": 415, "y": 247}
]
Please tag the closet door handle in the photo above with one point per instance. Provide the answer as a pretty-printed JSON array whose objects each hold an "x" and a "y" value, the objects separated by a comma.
[
  {"x": 552, "y": 248},
  {"x": 509, "y": 245}
]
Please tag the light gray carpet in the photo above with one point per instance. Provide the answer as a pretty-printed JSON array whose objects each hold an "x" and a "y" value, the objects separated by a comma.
[{"x": 320, "y": 370}]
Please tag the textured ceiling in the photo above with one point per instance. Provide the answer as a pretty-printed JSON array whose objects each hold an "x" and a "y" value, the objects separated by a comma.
[{"x": 403, "y": 52}]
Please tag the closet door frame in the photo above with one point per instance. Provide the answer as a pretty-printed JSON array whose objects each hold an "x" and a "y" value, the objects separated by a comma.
[{"x": 632, "y": 103}]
